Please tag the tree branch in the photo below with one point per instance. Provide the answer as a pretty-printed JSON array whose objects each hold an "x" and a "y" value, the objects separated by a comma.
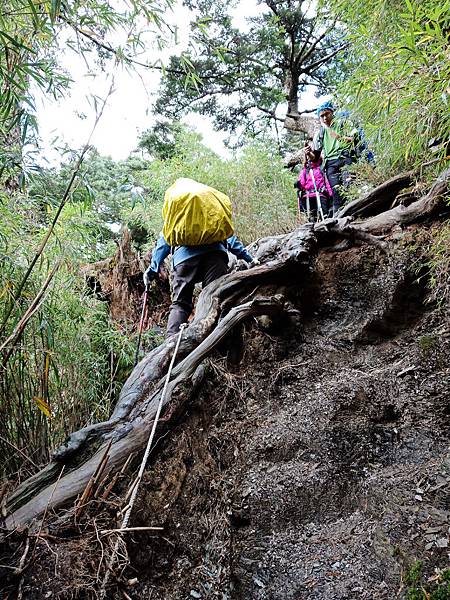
[
  {"x": 318, "y": 63},
  {"x": 100, "y": 44}
]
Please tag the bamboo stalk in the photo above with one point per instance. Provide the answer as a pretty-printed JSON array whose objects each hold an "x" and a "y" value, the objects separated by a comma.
[
  {"x": 92, "y": 482},
  {"x": 32, "y": 309}
]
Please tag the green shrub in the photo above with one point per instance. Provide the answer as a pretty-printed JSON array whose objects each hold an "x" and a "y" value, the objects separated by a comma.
[
  {"x": 260, "y": 188},
  {"x": 66, "y": 359},
  {"x": 418, "y": 589},
  {"x": 394, "y": 76}
]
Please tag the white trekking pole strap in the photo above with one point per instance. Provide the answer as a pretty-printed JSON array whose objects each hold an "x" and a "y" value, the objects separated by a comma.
[
  {"x": 135, "y": 485},
  {"x": 319, "y": 203}
]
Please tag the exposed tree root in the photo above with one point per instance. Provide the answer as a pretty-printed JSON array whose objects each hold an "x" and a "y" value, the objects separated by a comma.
[
  {"x": 219, "y": 309},
  {"x": 433, "y": 203},
  {"x": 285, "y": 260},
  {"x": 379, "y": 199}
]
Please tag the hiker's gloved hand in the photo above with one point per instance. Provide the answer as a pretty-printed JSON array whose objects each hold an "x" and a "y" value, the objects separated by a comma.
[
  {"x": 241, "y": 265},
  {"x": 149, "y": 276},
  {"x": 244, "y": 265}
]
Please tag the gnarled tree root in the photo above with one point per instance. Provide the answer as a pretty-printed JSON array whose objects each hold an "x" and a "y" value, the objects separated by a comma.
[
  {"x": 379, "y": 199},
  {"x": 433, "y": 203},
  {"x": 222, "y": 305},
  {"x": 129, "y": 425}
]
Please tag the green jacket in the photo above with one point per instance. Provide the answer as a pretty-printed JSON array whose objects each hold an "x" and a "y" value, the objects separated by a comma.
[{"x": 332, "y": 148}]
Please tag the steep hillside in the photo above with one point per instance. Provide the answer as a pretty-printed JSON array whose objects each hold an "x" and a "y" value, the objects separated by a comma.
[
  {"x": 317, "y": 467},
  {"x": 320, "y": 468}
]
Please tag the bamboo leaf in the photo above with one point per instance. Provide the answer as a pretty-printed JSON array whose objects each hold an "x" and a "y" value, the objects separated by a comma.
[
  {"x": 15, "y": 42},
  {"x": 54, "y": 10},
  {"x": 43, "y": 406},
  {"x": 36, "y": 19}
]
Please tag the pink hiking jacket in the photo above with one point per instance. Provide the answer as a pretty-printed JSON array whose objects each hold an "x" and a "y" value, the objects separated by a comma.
[{"x": 305, "y": 182}]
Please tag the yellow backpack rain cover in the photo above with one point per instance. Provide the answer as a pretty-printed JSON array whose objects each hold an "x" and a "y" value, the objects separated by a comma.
[{"x": 195, "y": 214}]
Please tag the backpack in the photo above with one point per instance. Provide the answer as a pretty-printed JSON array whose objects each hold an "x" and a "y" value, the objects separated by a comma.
[
  {"x": 195, "y": 214},
  {"x": 360, "y": 148}
]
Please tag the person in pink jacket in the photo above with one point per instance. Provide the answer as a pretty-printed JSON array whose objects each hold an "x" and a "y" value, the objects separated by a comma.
[{"x": 311, "y": 184}]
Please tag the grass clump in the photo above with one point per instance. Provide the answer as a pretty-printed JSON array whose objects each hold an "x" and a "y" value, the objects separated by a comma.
[
  {"x": 418, "y": 589},
  {"x": 427, "y": 343}
]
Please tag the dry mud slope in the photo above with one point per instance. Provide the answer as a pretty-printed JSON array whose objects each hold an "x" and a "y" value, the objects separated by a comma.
[{"x": 317, "y": 469}]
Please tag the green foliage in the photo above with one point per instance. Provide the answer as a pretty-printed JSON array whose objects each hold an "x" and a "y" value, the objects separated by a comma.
[
  {"x": 395, "y": 81},
  {"x": 396, "y": 75},
  {"x": 242, "y": 77},
  {"x": 69, "y": 353},
  {"x": 33, "y": 35},
  {"x": 419, "y": 590},
  {"x": 259, "y": 187},
  {"x": 413, "y": 575},
  {"x": 427, "y": 343},
  {"x": 66, "y": 362},
  {"x": 102, "y": 193},
  {"x": 160, "y": 140}
]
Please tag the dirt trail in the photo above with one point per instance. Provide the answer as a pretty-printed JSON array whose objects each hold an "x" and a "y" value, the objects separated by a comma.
[
  {"x": 316, "y": 469},
  {"x": 319, "y": 469}
]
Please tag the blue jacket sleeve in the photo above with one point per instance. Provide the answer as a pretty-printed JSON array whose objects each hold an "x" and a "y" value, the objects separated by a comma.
[
  {"x": 160, "y": 252},
  {"x": 237, "y": 248}
]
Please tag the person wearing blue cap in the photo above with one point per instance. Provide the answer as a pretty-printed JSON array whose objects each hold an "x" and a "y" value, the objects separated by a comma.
[{"x": 335, "y": 140}]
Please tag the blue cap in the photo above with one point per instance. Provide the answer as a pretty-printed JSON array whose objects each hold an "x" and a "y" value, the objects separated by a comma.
[{"x": 328, "y": 105}]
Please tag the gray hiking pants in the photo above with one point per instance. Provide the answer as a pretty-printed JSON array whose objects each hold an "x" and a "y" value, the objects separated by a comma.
[{"x": 203, "y": 268}]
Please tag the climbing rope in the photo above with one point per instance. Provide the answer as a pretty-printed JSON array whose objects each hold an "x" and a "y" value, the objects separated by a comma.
[{"x": 137, "y": 481}]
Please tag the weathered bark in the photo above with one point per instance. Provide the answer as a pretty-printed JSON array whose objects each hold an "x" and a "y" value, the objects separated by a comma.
[
  {"x": 379, "y": 199},
  {"x": 305, "y": 124},
  {"x": 285, "y": 259},
  {"x": 333, "y": 229},
  {"x": 225, "y": 302},
  {"x": 433, "y": 203}
]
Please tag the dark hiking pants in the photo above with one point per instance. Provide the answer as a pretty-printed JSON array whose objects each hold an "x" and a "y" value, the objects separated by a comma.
[
  {"x": 339, "y": 178},
  {"x": 203, "y": 268}
]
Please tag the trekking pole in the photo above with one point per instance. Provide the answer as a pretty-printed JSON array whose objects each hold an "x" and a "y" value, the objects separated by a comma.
[
  {"x": 319, "y": 204},
  {"x": 308, "y": 208},
  {"x": 141, "y": 325},
  {"x": 299, "y": 204}
]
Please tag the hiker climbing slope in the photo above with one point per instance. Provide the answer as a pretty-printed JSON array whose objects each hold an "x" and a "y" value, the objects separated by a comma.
[
  {"x": 315, "y": 192},
  {"x": 336, "y": 141},
  {"x": 194, "y": 212}
]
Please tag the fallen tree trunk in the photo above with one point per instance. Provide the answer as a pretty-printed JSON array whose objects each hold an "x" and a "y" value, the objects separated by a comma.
[
  {"x": 286, "y": 260},
  {"x": 224, "y": 303},
  {"x": 379, "y": 199}
]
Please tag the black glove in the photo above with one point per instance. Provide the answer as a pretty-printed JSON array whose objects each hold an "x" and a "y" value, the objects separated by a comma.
[
  {"x": 241, "y": 265},
  {"x": 244, "y": 265},
  {"x": 149, "y": 276}
]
